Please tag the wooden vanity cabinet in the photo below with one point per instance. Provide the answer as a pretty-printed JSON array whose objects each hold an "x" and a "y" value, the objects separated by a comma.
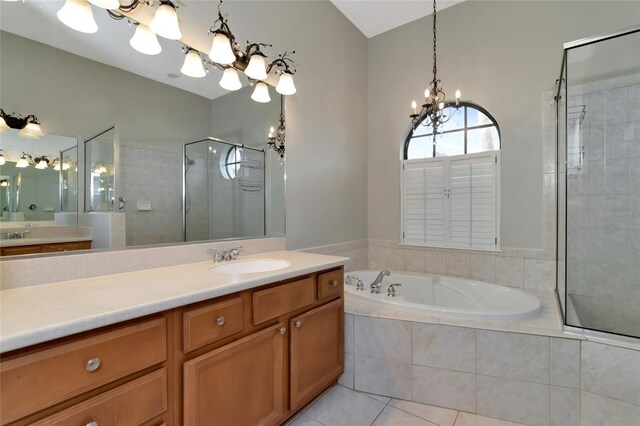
[
  {"x": 45, "y": 248},
  {"x": 248, "y": 358}
]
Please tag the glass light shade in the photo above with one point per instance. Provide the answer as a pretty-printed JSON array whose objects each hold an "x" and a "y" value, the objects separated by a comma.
[
  {"x": 77, "y": 14},
  {"x": 57, "y": 167},
  {"x": 3, "y": 125},
  {"x": 106, "y": 4},
  {"x": 4, "y": 183},
  {"x": 221, "y": 52},
  {"x": 145, "y": 41},
  {"x": 31, "y": 131},
  {"x": 22, "y": 163},
  {"x": 42, "y": 164},
  {"x": 230, "y": 79},
  {"x": 192, "y": 66},
  {"x": 285, "y": 84},
  {"x": 257, "y": 69},
  {"x": 261, "y": 93},
  {"x": 2, "y": 160},
  {"x": 165, "y": 22}
]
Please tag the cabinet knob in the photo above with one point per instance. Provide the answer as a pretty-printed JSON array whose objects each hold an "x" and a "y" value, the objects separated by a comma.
[
  {"x": 92, "y": 423},
  {"x": 282, "y": 330},
  {"x": 220, "y": 321},
  {"x": 92, "y": 365},
  {"x": 334, "y": 283},
  {"x": 298, "y": 324}
]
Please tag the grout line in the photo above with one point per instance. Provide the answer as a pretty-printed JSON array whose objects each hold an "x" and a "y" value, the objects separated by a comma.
[
  {"x": 456, "y": 419},
  {"x": 420, "y": 417},
  {"x": 383, "y": 408}
]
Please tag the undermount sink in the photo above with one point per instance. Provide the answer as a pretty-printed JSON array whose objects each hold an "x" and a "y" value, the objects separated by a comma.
[{"x": 250, "y": 266}]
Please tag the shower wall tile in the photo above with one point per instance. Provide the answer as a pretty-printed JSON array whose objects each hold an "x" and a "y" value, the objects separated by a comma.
[
  {"x": 513, "y": 400},
  {"x": 414, "y": 260},
  {"x": 565, "y": 362},
  {"x": 482, "y": 267},
  {"x": 616, "y": 105},
  {"x": 435, "y": 262},
  {"x": 609, "y": 246},
  {"x": 596, "y": 143},
  {"x": 602, "y": 411},
  {"x": 634, "y": 103},
  {"x": 611, "y": 371},
  {"x": 458, "y": 264},
  {"x": 513, "y": 356},
  {"x": 539, "y": 274}
]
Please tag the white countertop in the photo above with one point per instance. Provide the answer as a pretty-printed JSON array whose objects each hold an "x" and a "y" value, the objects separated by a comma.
[
  {"x": 36, "y": 241},
  {"x": 45, "y": 312}
]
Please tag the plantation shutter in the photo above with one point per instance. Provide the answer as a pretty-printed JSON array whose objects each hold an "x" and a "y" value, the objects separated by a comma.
[
  {"x": 424, "y": 202},
  {"x": 452, "y": 201}
]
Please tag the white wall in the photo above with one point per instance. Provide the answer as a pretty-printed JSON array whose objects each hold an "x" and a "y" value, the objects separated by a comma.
[{"x": 503, "y": 55}]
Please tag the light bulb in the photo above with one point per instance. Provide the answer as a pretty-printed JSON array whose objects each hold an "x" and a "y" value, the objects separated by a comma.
[
  {"x": 221, "y": 51},
  {"x": 261, "y": 93},
  {"x": 230, "y": 79},
  {"x": 57, "y": 167},
  {"x": 3, "y": 125},
  {"x": 145, "y": 41},
  {"x": 414, "y": 106},
  {"x": 285, "y": 84},
  {"x": 257, "y": 69},
  {"x": 458, "y": 93},
  {"x": 271, "y": 132},
  {"x": 427, "y": 94},
  {"x": 22, "y": 163},
  {"x": 31, "y": 131},
  {"x": 106, "y": 4},
  {"x": 193, "y": 65},
  {"x": 77, "y": 14},
  {"x": 42, "y": 164},
  {"x": 165, "y": 22},
  {"x": 441, "y": 105}
]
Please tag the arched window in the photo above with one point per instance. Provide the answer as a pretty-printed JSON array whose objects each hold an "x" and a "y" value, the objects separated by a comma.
[
  {"x": 231, "y": 162},
  {"x": 470, "y": 129},
  {"x": 451, "y": 184}
]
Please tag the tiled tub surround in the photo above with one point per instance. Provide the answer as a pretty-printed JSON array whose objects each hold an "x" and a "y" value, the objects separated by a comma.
[{"x": 523, "y": 377}]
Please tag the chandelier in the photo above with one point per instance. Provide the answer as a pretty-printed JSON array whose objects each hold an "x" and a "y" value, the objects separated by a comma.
[
  {"x": 225, "y": 53},
  {"x": 432, "y": 113}
]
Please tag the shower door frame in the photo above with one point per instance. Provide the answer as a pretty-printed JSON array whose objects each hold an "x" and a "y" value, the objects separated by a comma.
[{"x": 562, "y": 83}]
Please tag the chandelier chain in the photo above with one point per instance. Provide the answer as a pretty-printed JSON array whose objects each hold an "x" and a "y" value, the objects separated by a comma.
[{"x": 435, "y": 67}]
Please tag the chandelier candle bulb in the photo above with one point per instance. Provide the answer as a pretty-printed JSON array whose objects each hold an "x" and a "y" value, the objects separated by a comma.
[
  {"x": 271, "y": 133},
  {"x": 165, "y": 21},
  {"x": 458, "y": 94},
  {"x": 414, "y": 107},
  {"x": 77, "y": 15},
  {"x": 145, "y": 41}
]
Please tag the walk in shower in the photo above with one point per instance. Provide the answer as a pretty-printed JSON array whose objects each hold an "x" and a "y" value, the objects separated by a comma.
[
  {"x": 598, "y": 131},
  {"x": 224, "y": 190}
]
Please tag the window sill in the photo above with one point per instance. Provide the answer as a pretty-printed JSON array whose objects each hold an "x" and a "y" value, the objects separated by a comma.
[{"x": 449, "y": 248}]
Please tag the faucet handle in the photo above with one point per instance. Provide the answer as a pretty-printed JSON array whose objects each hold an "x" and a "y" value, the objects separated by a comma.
[
  {"x": 217, "y": 256},
  {"x": 391, "y": 291}
]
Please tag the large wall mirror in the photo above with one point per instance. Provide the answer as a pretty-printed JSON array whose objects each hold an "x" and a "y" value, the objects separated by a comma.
[{"x": 136, "y": 152}]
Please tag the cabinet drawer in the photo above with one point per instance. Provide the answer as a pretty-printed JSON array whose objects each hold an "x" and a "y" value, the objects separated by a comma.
[
  {"x": 65, "y": 246},
  {"x": 282, "y": 299},
  {"x": 211, "y": 323},
  {"x": 41, "y": 379},
  {"x": 130, "y": 404},
  {"x": 330, "y": 285}
]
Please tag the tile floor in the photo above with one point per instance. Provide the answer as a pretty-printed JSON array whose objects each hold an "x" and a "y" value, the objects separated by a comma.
[{"x": 341, "y": 406}]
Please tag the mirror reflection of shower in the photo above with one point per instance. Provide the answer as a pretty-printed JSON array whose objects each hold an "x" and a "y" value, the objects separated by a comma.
[{"x": 224, "y": 190}]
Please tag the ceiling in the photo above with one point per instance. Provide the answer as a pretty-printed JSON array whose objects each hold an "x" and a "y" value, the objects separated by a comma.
[{"x": 379, "y": 16}]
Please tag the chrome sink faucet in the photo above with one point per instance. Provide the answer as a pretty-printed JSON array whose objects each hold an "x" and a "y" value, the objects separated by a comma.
[
  {"x": 224, "y": 255},
  {"x": 377, "y": 283}
]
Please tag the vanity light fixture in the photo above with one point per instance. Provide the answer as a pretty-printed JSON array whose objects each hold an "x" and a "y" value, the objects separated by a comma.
[
  {"x": 77, "y": 14},
  {"x": 42, "y": 163},
  {"x": 261, "y": 93},
  {"x": 106, "y": 4},
  {"x": 192, "y": 66},
  {"x": 432, "y": 112},
  {"x": 29, "y": 126},
  {"x": 145, "y": 41},
  {"x": 276, "y": 138},
  {"x": 230, "y": 79},
  {"x": 165, "y": 21},
  {"x": 23, "y": 161}
]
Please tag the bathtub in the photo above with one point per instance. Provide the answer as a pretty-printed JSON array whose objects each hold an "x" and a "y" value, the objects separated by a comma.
[{"x": 449, "y": 296}]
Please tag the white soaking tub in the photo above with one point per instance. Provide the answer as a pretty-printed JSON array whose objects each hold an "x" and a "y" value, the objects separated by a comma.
[{"x": 449, "y": 297}]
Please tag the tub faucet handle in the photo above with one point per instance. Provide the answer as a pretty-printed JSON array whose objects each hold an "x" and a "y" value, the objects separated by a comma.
[
  {"x": 359, "y": 283},
  {"x": 391, "y": 291}
]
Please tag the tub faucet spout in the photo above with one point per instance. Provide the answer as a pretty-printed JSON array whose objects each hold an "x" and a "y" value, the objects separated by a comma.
[{"x": 377, "y": 283}]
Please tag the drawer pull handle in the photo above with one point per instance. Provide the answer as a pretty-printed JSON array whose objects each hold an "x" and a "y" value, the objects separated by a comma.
[
  {"x": 298, "y": 324},
  {"x": 92, "y": 365},
  {"x": 220, "y": 321},
  {"x": 92, "y": 423},
  {"x": 334, "y": 283},
  {"x": 282, "y": 330}
]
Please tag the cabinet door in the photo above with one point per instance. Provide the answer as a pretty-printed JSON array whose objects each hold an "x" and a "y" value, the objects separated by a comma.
[
  {"x": 240, "y": 384},
  {"x": 317, "y": 351},
  {"x": 18, "y": 250}
]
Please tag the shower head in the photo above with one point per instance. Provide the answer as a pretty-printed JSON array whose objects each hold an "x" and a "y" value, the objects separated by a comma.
[{"x": 188, "y": 161}]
